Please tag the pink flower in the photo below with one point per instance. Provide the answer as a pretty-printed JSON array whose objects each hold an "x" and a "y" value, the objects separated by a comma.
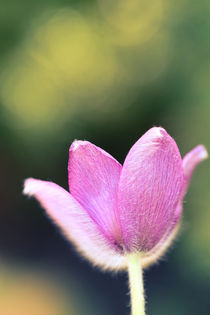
[{"x": 114, "y": 210}]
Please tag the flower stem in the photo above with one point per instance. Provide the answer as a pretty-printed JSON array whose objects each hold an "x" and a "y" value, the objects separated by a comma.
[{"x": 136, "y": 284}]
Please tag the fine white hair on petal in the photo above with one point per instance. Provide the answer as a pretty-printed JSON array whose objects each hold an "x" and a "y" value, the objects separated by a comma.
[
  {"x": 75, "y": 224},
  {"x": 156, "y": 132},
  {"x": 31, "y": 187},
  {"x": 203, "y": 152},
  {"x": 77, "y": 143},
  {"x": 160, "y": 249}
]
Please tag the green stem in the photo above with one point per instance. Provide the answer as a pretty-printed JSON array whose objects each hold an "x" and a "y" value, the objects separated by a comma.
[{"x": 136, "y": 284}]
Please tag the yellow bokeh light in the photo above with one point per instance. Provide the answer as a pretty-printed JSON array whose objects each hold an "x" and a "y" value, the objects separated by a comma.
[
  {"x": 60, "y": 63},
  {"x": 134, "y": 21},
  {"x": 69, "y": 64},
  {"x": 30, "y": 293}
]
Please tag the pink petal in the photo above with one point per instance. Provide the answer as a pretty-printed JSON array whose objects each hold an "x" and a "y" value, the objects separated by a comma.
[
  {"x": 93, "y": 181},
  {"x": 75, "y": 223},
  {"x": 190, "y": 161},
  {"x": 161, "y": 248},
  {"x": 149, "y": 190}
]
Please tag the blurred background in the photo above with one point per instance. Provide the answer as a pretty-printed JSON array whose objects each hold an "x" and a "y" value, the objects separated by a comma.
[{"x": 104, "y": 71}]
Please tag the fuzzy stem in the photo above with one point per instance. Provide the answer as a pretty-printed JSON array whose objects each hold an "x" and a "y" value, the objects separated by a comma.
[{"x": 136, "y": 284}]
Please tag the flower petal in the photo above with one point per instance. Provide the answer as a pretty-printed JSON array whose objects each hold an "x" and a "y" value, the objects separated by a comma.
[
  {"x": 149, "y": 190},
  {"x": 190, "y": 161},
  {"x": 75, "y": 223},
  {"x": 161, "y": 248},
  {"x": 93, "y": 181}
]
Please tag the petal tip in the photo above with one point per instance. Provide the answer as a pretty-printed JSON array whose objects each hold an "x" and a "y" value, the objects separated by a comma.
[
  {"x": 156, "y": 135},
  {"x": 30, "y": 186},
  {"x": 78, "y": 143},
  {"x": 158, "y": 132},
  {"x": 202, "y": 152}
]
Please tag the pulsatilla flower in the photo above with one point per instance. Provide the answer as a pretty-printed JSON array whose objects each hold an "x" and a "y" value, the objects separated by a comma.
[{"x": 112, "y": 210}]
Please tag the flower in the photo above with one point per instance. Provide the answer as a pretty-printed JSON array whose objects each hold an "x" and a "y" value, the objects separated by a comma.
[{"x": 114, "y": 210}]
